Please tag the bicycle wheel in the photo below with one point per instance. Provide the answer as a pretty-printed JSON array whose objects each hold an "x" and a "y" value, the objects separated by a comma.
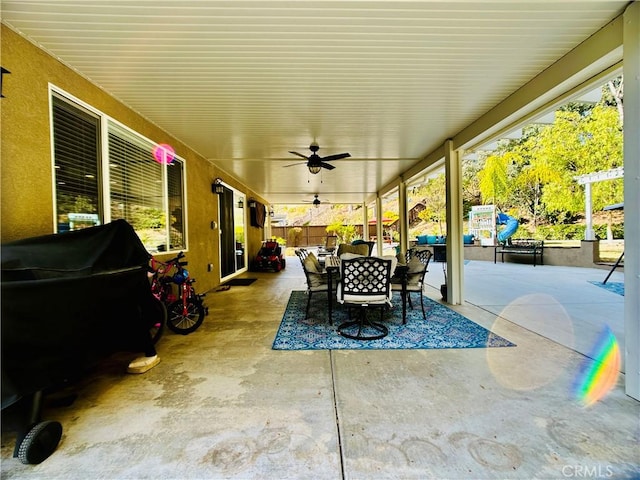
[
  {"x": 185, "y": 320},
  {"x": 156, "y": 311}
]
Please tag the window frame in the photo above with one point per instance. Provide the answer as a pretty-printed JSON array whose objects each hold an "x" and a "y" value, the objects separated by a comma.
[{"x": 107, "y": 124}]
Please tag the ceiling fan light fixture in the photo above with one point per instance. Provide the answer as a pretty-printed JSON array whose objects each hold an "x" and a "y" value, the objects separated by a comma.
[{"x": 315, "y": 163}]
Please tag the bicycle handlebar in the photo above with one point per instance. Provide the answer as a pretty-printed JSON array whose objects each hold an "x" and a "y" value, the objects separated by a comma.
[
  {"x": 176, "y": 258},
  {"x": 174, "y": 261}
]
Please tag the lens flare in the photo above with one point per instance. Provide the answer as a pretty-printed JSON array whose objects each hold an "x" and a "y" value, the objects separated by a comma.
[
  {"x": 164, "y": 153},
  {"x": 506, "y": 367},
  {"x": 598, "y": 376}
]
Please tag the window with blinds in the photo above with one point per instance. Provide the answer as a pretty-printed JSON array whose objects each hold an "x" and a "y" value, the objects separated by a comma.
[
  {"x": 146, "y": 191},
  {"x": 76, "y": 145},
  {"x": 175, "y": 195}
]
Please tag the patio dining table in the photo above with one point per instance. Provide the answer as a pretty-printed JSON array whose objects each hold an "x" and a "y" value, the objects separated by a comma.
[{"x": 332, "y": 266}]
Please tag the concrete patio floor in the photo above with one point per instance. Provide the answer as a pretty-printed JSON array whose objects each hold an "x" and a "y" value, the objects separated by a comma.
[
  {"x": 556, "y": 302},
  {"x": 223, "y": 404}
]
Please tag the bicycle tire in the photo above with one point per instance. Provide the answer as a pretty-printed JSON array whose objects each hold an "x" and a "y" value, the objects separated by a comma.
[{"x": 184, "y": 324}]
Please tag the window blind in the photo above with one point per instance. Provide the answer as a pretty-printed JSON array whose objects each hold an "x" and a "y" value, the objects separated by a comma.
[
  {"x": 76, "y": 144},
  {"x": 138, "y": 191},
  {"x": 142, "y": 190}
]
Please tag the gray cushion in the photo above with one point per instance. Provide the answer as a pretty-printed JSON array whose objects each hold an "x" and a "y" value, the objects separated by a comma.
[{"x": 362, "y": 249}]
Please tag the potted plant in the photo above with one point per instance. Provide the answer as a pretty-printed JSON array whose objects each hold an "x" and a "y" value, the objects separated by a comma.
[{"x": 443, "y": 287}]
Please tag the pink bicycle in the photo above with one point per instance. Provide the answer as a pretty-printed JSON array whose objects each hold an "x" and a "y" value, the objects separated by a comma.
[{"x": 185, "y": 309}]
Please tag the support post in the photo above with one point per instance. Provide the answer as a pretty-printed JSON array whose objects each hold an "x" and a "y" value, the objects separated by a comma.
[
  {"x": 379, "y": 226},
  {"x": 631, "y": 70},
  {"x": 455, "y": 252},
  {"x": 404, "y": 221},
  {"x": 588, "y": 232},
  {"x": 365, "y": 222}
]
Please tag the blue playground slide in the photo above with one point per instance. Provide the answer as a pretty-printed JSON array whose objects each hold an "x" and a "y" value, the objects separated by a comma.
[{"x": 510, "y": 228}]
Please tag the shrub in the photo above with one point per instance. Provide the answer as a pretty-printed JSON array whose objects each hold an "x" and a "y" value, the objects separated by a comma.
[
  {"x": 345, "y": 233},
  {"x": 617, "y": 230},
  {"x": 573, "y": 232},
  {"x": 295, "y": 235}
]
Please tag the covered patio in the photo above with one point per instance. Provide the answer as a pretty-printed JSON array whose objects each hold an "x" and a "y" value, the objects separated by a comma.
[
  {"x": 230, "y": 91},
  {"x": 223, "y": 404}
]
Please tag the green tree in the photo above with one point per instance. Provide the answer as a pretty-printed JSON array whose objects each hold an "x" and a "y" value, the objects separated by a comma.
[
  {"x": 576, "y": 145},
  {"x": 494, "y": 182},
  {"x": 529, "y": 177},
  {"x": 536, "y": 175},
  {"x": 390, "y": 215},
  {"x": 435, "y": 201},
  {"x": 471, "y": 194}
]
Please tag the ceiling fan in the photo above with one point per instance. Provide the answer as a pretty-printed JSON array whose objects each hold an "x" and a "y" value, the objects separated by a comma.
[
  {"x": 315, "y": 163},
  {"x": 316, "y": 201}
]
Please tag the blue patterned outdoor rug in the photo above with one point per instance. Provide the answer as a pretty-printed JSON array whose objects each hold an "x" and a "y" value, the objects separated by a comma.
[
  {"x": 613, "y": 287},
  {"x": 443, "y": 328}
]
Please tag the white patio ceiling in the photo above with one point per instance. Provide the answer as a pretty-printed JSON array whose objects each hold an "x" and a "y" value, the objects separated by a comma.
[{"x": 245, "y": 82}]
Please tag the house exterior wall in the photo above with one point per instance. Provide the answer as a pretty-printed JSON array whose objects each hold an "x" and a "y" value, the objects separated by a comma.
[{"x": 26, "y": 167}]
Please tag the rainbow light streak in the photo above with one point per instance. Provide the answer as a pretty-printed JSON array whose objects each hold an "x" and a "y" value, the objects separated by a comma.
[
  {"x": 599, "y": 376},
  {"x": 164, "y": 153}
]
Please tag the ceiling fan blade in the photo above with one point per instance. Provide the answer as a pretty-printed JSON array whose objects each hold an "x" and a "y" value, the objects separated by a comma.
[
  {"x": 315, "y": 200},
  {"x": 337, "y": 156},
  {"x": 294, "y": 164},
  {"x": 300, "y": 155},
  {"x": 328, "y": 166}
]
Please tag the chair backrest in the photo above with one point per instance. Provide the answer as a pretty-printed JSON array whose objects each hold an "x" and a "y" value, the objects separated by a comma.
[
  {"x": 316, "y": 280},
  {"x": 331, "y": 243},
  {"x": 363, "y": 242},
  {"x": 423, "y": 255},
  {"x": 365, "y": 280},
  {"x": 361, "y": 249},
  {"x": 416, "y": 270},
  {"x": 371, "y": 245}
]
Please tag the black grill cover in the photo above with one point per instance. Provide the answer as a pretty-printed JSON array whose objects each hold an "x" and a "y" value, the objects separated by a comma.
[{"x": 68, "y": 301}]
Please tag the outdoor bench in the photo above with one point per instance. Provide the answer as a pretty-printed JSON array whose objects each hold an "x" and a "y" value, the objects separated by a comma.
[{"x": 521, "y": 246}]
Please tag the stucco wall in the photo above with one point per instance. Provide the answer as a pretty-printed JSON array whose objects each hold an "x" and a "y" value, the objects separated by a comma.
[{"x": 26, "y": 169}]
